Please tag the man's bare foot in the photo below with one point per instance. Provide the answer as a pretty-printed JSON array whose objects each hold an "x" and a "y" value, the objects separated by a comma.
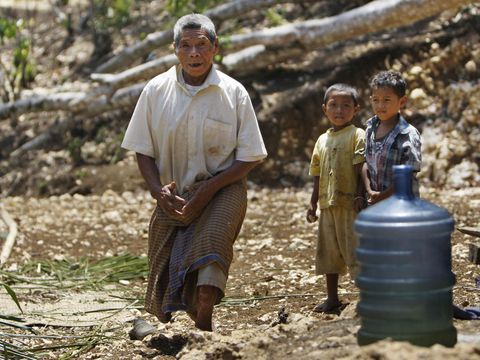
[
  {"x": 207, "y": 296},
  {"x": 192, "y": 314},
  {"x": 328, "y": 306}
]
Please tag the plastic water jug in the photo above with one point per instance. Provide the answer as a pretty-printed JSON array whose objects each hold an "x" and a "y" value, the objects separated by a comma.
[{"x": 405, "y": 277}]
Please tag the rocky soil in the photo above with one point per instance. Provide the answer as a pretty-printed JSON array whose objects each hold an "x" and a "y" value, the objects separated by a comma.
[{"x": 272, "y": 288}]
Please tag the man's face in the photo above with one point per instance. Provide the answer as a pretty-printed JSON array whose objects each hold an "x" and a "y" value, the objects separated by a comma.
[{"x": 195, "y": 53}]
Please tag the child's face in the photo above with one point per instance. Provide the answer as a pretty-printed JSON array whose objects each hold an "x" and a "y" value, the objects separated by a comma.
[
  {"x": 340, "y": 109},
  {"x": 386, "y": 104}
]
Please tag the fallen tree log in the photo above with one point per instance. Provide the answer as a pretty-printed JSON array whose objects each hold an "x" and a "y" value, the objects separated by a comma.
[
  {"x": 138, "y": 73},
  {"x": 294, "y": 40},
  {"x": 99, "y": 97},
  {"x": 161, "y": 38},
  {"x": 275, "y": 45},
  {"x": 68, "y": 101},
  {"x": 94, "y": 101},
  {"x": 124, "y": 98},
  {"x": 374, "y": 16}
]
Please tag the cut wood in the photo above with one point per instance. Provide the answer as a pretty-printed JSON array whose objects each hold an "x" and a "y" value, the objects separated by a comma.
[{"x": 12, "y": 234}]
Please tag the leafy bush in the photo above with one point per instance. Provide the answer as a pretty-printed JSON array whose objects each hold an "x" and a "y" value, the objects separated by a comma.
[
  {"x": 19, "y": 71},
  {"x": 182, "y": 7}
]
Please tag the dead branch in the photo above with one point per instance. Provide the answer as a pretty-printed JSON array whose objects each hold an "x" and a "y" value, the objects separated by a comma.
[
  {"x": 374, "y": 16},
  {"x": 294, "y": 40},
  {"x": 335, "y": 60},
  {"x": 270, "y": 46},
  {"x": 138, "y": 73},
  {"x": 90, "y": 102},
  {"x": 70, "y": 101},
  {"x": 157, "y": 39},
  {"x": 12, "y": 234},
  {"x": 124, "y": 98}
]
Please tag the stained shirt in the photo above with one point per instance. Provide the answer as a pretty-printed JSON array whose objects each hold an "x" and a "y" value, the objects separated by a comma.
[
  {"x": 333, "y": 159},
  {"x": 402, "y": 145},
  {"x": 194, "y": 135}
]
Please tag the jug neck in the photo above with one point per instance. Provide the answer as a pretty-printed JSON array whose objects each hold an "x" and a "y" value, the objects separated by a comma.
[{"x": 402, "y": 177}]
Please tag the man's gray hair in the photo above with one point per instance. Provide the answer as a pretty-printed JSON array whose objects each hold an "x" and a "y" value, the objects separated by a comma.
[{"x": 194, "y": 21}]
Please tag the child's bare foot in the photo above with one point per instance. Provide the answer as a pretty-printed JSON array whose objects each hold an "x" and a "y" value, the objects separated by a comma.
[{"x": 327, "y": 306}]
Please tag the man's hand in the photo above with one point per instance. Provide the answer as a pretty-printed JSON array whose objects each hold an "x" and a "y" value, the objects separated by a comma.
[
  {"x": 200, "y": 199},
  {"x": 169, "y": 202}
]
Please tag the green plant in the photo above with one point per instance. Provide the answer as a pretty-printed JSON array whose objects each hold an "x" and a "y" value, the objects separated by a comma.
[
  {"x": 274, "y": 18},
  {"x": 111, "y": 14},
  {"x": 107, "y": 17},
  {"x": 74, "y": 148},
  {"x": 20, "y": 69},
  {"x": 182, "y": 7}
]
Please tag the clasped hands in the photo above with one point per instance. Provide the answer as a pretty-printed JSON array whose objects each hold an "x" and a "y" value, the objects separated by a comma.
[{"x": 180, "y": 209}]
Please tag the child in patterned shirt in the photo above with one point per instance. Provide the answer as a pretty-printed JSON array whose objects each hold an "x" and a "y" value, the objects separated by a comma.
[{"x": 390, "y": 140}]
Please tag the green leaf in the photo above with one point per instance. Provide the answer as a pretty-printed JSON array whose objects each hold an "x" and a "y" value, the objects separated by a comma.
[{"x": 13, "y": 296}]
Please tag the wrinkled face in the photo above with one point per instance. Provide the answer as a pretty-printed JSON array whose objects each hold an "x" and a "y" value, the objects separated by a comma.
[
  {"x": 195, "y": 53},
  {"x": 385, "y": 103},
  {"x": 340, "y": 109}
]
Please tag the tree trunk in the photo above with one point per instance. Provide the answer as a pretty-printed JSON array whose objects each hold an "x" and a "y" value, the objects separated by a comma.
[
  {"x": 271, "y": 46},
  {"x": 161, "y": 38}
]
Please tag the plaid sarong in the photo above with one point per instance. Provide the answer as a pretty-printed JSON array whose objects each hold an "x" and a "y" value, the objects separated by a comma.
[{"x": 176, "y": 251}]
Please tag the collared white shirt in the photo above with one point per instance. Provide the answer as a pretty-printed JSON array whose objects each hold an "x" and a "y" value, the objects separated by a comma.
[{"x": 194, "y": 137}]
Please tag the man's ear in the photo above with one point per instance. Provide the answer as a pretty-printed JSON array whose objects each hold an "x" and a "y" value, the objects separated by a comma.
[
  {"x": 324, "y": 108},
  {"x": 216, "y": 45},
  {"x": 403, "y": 101}
]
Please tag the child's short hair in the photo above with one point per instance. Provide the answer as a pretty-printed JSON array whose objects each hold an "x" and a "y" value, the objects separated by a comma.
[
  {"x": 350, "y": 90},
  {"x": 390, "y": 79}
]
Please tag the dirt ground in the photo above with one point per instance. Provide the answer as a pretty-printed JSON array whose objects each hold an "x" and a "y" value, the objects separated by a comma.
[{"x": 273, "y": 269}]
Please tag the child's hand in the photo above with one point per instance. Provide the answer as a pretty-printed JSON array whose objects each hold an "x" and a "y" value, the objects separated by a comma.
[
  {"x": 373, "y": 197},
  {"x": 311, "y": 214},
  {"x": 359, "y": 204}
]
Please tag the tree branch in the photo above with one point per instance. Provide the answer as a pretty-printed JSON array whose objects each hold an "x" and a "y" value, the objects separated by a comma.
[
  {"x": 160, "y": 38},
  {"x": 12, "y": 234},
  {"x": 270, "y": 46}
]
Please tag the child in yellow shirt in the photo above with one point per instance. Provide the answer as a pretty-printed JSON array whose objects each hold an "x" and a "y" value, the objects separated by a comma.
[{"x": 336, "y": 165}]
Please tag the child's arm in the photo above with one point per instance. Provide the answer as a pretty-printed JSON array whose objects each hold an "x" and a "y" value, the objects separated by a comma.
[
  {"x": 312, "y": 208},
  {"x": 372, "y": 195},
  {"x": 359, "y": 201}
]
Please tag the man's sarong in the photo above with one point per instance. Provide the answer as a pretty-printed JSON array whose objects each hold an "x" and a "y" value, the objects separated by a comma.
[{"x": 176, "y": 251}]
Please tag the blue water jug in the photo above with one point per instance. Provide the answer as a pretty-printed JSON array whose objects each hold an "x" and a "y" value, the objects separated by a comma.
[{"x": 405, "y": 277}]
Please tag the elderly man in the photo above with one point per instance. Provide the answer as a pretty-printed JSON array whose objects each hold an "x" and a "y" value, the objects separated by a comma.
[{"x": 196, "y": 137}]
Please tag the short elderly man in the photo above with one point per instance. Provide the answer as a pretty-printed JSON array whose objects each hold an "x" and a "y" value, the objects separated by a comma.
[{"x": 196, "y": 137}]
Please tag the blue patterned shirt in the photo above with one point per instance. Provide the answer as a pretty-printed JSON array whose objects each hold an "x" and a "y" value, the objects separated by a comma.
[{"x": 401, "y": 146}]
